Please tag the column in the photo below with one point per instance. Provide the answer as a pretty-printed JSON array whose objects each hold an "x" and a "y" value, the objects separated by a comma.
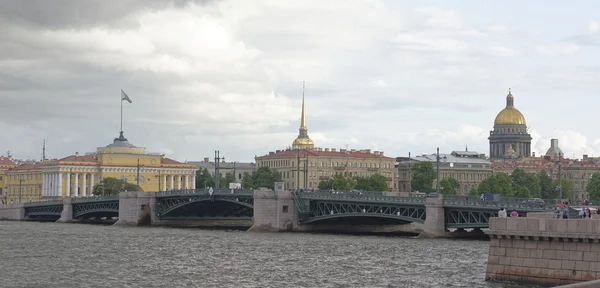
[
  {"x": 59, "y": 186},
  {"x": 194, "y": 181},
  {"x": 187, "y": 179},
  {"x": 76, "y": 187},
  {"x": 164, "y": 183},
  {"x": 91, "y": 184},
  {"x": 68, "y": 184},
  {"x": 172, "y": 182},
  {"x": 178, "y": 182},
  {"x": 84, "y": 185},
  {"x": 53, "y": 184},
  {"x": 44, "y": 185}
]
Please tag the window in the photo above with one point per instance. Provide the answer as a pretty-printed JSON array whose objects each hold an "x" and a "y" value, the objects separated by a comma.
[{"x": 284, "y": 209}]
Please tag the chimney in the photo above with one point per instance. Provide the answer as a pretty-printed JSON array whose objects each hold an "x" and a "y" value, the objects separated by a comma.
[
  {"x": 376, "y": 153},
  {"x": 368, "y": 150},
  {"x": 342, "y": 150},
  {"x": 206, "y": 159},
  {"x": 333, "y": 149},
  {"x": 380, "y": 153},
  {"x": 585, "y": 157},
  {"x": 553, "y": 143},
  {"x": 76, "y": 154},
  {"x": 352, "y": 150},
  {"x": 533, "y": 154},
  {"x": 326, "y": 149}
]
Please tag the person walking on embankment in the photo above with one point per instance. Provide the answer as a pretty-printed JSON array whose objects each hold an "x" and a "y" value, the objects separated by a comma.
[
  {"x": 514, "y": 214},
  {"x": 502, "y": 213}
]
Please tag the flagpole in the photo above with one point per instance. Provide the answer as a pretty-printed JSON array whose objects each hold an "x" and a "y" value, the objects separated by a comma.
[{"x": 121, "y": 97}]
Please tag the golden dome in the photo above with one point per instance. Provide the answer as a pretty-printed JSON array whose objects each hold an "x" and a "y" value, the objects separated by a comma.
[
  {"x": 303, "y": 143},
  {"x": 510, "y": 115}
]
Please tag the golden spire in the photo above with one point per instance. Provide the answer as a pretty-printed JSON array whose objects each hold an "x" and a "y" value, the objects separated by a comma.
[{"x": 303, "y": 116}]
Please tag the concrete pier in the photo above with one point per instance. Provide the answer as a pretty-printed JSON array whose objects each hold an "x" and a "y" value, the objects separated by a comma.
[
  {"x": 135, "y": 208},
  {"x": 67, "y": 214},
  {"x": 274, "y": 211},
  {"x": 12, "y": 212},
  {"x": 542, "y": 251}
]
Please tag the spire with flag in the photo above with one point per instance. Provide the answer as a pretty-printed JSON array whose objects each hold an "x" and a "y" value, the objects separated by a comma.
[{"x": 124, "y": 97}]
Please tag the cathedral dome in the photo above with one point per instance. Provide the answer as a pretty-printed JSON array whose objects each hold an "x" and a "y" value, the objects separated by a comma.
[
  {"x": 510, "y": 115},
  {"x": 303, "y": 142}
]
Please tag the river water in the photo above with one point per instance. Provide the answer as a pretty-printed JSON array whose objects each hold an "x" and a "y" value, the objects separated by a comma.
[{"x": 77, "y": 255}]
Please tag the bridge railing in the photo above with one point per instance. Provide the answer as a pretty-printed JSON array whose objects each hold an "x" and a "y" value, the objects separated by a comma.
[
  {"x": 95, "y": 198},
  {"x": 363, "y": 196},
  {"x": 509, "y": 203},
  {"x": 220, "y": 191},
  {"x": 43, "y": 203}
]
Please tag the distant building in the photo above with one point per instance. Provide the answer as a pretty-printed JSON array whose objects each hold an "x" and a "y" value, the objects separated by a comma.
[
  {"x": 468, "y": 167},
  {"x": 76, "y": 175},
  {"x": 236, "y": 168},
  {"x": 304, "y": 166},
  {"x": 510, "y": 138}
]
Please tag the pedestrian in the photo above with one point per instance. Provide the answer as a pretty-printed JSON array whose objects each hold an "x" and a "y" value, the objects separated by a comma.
[
  {"x": 502, "y": 213},
  {"x": 581, "y": 213},
  {"x": 565, "y": 212},
  {"x": 514, "y": 214},
  {"x": 557, "y": 213}
]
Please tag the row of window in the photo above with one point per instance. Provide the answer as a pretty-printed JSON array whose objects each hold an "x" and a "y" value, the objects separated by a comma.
[{"x": 288, "y": 163}]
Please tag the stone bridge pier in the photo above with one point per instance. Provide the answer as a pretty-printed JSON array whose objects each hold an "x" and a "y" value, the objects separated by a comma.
[
  {"x": 135, "y": 208},
  {"x": 274, "y": 210},
  {"x": 435, "y": 223}
]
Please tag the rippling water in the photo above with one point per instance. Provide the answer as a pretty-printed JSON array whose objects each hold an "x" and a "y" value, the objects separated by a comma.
[{"x": 76, "y": 255}]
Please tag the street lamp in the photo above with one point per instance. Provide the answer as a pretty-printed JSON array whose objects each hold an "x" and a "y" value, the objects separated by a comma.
[
  {"x": 20, "y": 185},
  {"x": 138, "y": 172},
  {"x": 158, "y": 176}
]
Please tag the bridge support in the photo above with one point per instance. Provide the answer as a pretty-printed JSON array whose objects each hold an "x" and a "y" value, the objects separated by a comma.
[
  {"x": 135, "y": 208},
  {"x": 435, "y": 223},
  {"x": 12, "y": 212},
  {"x": 274, "y": 211},
  {"x": 67, "y": 213}
]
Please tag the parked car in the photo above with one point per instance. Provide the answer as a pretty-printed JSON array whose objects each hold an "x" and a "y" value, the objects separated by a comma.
[{"x": 534, "y": 202}]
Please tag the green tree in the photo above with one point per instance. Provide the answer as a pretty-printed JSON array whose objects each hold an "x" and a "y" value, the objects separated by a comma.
[
  {"x": 547, "y": 189},
  {"x": 326, "y": 185},
  {"x": 377, "y": 182},
  {"x": 567, "y": 189},
  {"x": 204, "y": 179},
  {"x": 449, "y": 186},
  {"x": 342, "y": 183},
  {"x": 498, "y": 183},
  {"x": 521, "y": 191},
  {"x": 473, "y": 192},
  {"x": 225, "y": 180},
  {"x": 593, "y": 187},
  {"x": 528, "y": 181},
  {"x": 113, "y": 186},
  {"x": 362, "y": 183},
  {"x": 265, "y": 177},
  {"x": 422, "y": 177},
  {"x": 247, "y": 181}
]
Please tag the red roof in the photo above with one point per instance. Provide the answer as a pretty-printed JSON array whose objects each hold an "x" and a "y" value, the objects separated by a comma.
[
  {"x": 78, "y": 158},
  {"x": 6, "y": 161},
  {"x": 317, "y": 153},
  {"x": 169, "y": 161},
  {"x": 26, "y": 167}
]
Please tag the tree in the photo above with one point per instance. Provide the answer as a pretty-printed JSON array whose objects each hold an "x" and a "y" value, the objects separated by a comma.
[
  {"x": 498, "y": 183},
  {"x": 204, "y": 179},
  {"x": 547, "y": 189},
  {"x": 449, "y": 186},
  {"x": 422, "y": 177},
  {"x": 265, "y": 177},
  {"x": 567, "y": 189},
  {"x": 377, "y": 182},
  {"x": 113, "y": 186},
  {"x": 247, "y": 181},
  {"x": 326, "y": 185},
  {"x": 473, "y": 192},
  {"x": 228, "y": 178},
  {"x": 593, "y": 187},
  {"x": 340, "y": 182},
  {"x": 521, "y": 179}
]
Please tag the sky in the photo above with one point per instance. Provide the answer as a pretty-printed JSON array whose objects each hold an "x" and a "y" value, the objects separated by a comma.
[{"x": 392, "y": 76}]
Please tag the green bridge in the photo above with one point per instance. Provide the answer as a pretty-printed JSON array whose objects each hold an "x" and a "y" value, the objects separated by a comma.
[{"x": 310, "y": 208}]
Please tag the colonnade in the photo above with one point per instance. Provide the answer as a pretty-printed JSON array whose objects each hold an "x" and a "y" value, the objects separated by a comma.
[{"x": 82, "y": 183}]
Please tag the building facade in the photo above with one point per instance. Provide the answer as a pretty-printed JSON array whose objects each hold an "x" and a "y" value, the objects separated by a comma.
[
  {"x": 469, "y": 168},
  {"x": 303, "y": 165},
  {"x": 510, "y": 137},
  {"x": 76, "y": 175}
]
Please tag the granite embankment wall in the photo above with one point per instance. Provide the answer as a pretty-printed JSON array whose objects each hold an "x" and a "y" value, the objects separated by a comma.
[
  {"x": 541, "y": 251},
  {"x": 12, "y": 212}
]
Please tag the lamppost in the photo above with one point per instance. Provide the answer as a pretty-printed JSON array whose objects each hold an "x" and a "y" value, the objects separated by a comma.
[
  {"x": 409, "y": 173},
  {"x": 138, "y": 173},
  {"x": 437, "y": 180},
  {"x": 158, "y": 180},
  {"x": 101, "y": 186}
]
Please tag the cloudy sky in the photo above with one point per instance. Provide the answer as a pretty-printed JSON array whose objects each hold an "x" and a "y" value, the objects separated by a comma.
[{"x": 396, "y": 76}]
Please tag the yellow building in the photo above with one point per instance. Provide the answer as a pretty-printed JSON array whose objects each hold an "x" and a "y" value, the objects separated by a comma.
[
  {"x": 304, "y": 166},
  {"x": 5, "y": 164},
  {"x": 76, "y": 175}
]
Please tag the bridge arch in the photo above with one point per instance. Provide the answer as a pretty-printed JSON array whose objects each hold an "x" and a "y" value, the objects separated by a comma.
[
  {"x": 323, "y": 218},
  {"x": 206, "y": 205}
]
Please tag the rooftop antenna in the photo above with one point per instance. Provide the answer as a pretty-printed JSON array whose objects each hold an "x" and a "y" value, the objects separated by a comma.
[{"x": 44, "y": 151}]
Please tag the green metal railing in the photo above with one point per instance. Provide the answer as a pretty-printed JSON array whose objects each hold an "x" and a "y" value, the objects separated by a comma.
[
  {"x": 95, "y": 198},
  {"x": 510, "y": 203},
  {"x": 363, "y": 196},
  {"x": 220, "y": 191},
  {"x": 44, "y": 203}
]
